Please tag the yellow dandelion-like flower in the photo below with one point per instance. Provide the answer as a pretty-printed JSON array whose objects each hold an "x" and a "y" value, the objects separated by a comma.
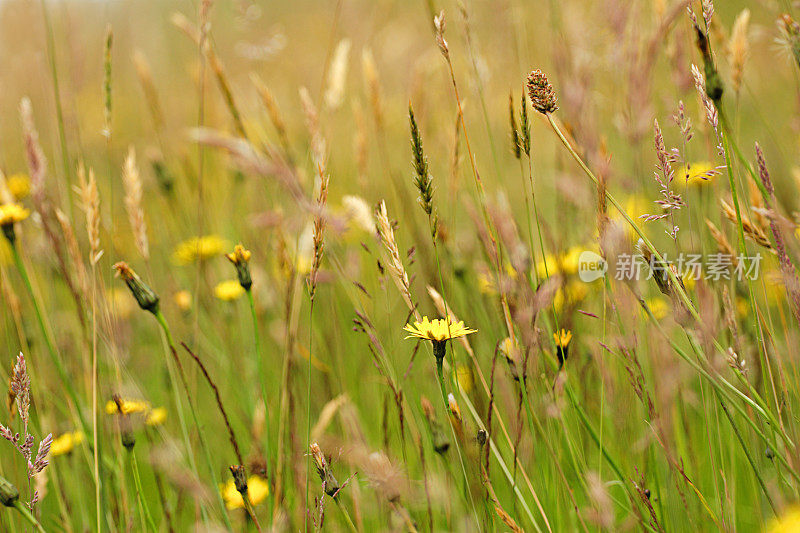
[
  {"x": 10, "y": 214},
  {"x": 698, "y": 173},
  {"x": 65, "y": 443},
  {"x": 257, "y": 490},
  {"x": 183, "y": 300},
  {"x": 562, "y": 339},
  {"x": 228, "y": 290},
  {"x": 156, "y": 417},
  {"x": 19, "y": 185},
  {"x": 438, "y": 329},
  {"x": 199, "y": 249},
  {"x": 128, "y": 407},
  {"x": 788, "y": 522}
]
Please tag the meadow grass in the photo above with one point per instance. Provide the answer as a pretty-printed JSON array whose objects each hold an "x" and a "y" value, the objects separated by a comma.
[{"x": 385, "y": 266}]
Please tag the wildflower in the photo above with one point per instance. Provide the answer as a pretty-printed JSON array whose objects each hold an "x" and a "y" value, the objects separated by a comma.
[
  {"x": 199, "y": 249},
  {"x": 156, "y": 417},
  {"x": 562, "y": 339},
  {"x": 456, "y": 420},
  {"x": 228, "y": 290},
  {"x": 257, "y": 490},
  {"x": 145, "y": 297},
  {"x": 788, "y": 522},
  {"x": 183, "y": 299},
  {"x": 541, "y": 93},
  {"x": 329, "y": 482},
  {"x": 65, "y": 443},
  {"x": 19, "y": 185},
  {"x": 438, "y": 331},
  {"x": 240, "y": 257},
  {"x": 127, "y": 407},
  {"x": 10, "y": 214}
]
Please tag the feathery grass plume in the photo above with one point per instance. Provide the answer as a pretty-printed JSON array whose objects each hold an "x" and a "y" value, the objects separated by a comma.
[
  {"x": 21, "y": 387},
  {"x": 790, "y": 36},
  {"x": 739, "y": 48},
  {"x": 723, "y": 245},
  {"x": 516, "y": 140},
  {"x": 107, "y": 82},
  {"x": 320, "y": 221},
  {"x": 133, "y": 202},
  {"x": 542, "y": 95},
  {"x": 274, "y": 112},
  {"x": 337, "y": 77},
  {"x": 90, "y": 203},
  {"x": 373, "y": 86},
  {"x": 395, "y": 264},
  {"x": 439, "y": 25},
  {"x": 144, "y": 295},
  {"x": 751, "y": 230},
  {"x": 318, "y": 147},
  {"x": 670, "y": 201},
  {"x": 525, "y": 127},
  {"x": 145, "y": 75},
  {"x": 423, "y": 180},
  {"x": 73, "y": 249},
  {"x": 708, "y": 105},
  {"x": 713, "y": 81},
  {"x": 788, "y": 271}
]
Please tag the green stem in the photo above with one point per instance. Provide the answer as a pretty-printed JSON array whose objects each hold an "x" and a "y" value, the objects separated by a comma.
[
  {"x": 27, "y": 515},
  {"x": 206, "y": 455},
  {"x": 140, "y": 493}
]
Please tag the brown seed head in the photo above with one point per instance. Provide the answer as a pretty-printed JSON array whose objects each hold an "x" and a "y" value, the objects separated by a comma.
[{"x": 541, "y": 93}]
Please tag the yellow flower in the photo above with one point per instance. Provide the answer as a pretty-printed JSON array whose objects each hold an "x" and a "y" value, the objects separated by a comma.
[
  {"x": 562, "y": 338},
  {"x": 128, "y": 407},
  {"x": 10, "y": 214},
  {"x": 788, "y": 522},
  {"x": 257, "y": 490},
  {"x": 437, "y": 329},
  {"x": 183, "y": 299},
  {"x": 658, "y": 306},
  {"x": 66, "y": 443},
  {"x": 228, "y": 290},
  {"x": 699, "y": 173},
  {"x": 156, "y": 417},
  {"x": 199, "y": 248},
  {"x": 635, "y": 206},
  {"x": 567, "y": 263},
  {"x": 487, "y": 279},
  {"x": 19, "y": 185}
]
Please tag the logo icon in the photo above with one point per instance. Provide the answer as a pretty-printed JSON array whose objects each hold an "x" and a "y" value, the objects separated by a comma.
[{"x": 591, "y": 266}]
